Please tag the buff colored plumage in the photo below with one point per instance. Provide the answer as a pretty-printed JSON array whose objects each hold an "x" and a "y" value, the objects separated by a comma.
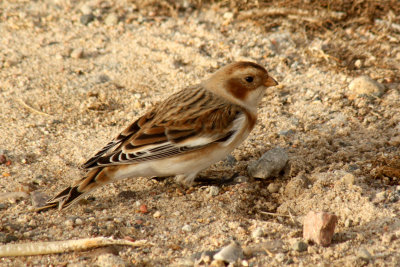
[{"x": 186, "y": 133}]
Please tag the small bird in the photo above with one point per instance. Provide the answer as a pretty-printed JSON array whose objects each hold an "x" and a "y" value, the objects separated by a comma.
[{"x": 180, "y": 136}]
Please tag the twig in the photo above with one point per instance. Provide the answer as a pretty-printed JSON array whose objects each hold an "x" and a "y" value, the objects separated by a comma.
[
  {"x": 32, "y": 109},
  {"x": 40, "y": 248}
]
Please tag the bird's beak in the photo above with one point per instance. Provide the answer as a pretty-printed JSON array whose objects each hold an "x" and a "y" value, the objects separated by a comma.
[{"x": 270, "y": 82}]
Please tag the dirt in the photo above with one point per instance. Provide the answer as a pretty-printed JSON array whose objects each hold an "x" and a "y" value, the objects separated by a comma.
[{"x": 68, "y": 87}]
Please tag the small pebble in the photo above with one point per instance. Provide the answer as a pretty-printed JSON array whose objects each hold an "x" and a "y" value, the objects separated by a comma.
[
  {"x": 258, "y": 232},
  {"x": 69, "y": 222},
  {"x": 102, "y": 78},
  {"x": 228, "y": 15},
  {"x": 364, "y": 254},
  {"x": 157, "y": 214},
  {"x": 213, "y": 191},
  {"x": 87, "y": 18},
  {"x": 230, "y": 160},
  {"x": 230, "y": 253},
  {"x": 86, "y": 9},
  {"x": 110, "y": 260},
  {"x": 300, "y": 246},
  {"x": 270, "y": 164},
  {"x": 319, "y": 227},
  {"x": 280, "y": 257},
  {"x": 111, "y": 19},
  {"x": 38, "y": 198},
  {"x": 241, "y": 179},
  {"x": 187, "y": 228},
  {"x": 3, "y": 159},
  {"x": 77, "y": 53},
  {"x": 380, "y": 197},
  {"x": 273, "y": 187},
  {"x": 358, "y": 64},
  {"x": 78, "y": 221},
  {"x": 364, "y": 85},
  {"x": 143, "y": 208}
]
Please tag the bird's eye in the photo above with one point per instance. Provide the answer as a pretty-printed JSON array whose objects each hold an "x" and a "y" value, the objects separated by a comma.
[{"x": 249, "y": 79}]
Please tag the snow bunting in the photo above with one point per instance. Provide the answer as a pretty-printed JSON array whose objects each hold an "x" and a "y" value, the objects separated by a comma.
[{"x": 186, "y": 133}]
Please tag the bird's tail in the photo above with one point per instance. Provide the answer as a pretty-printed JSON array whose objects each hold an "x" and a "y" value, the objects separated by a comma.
[{"x": 94, "y": 179}]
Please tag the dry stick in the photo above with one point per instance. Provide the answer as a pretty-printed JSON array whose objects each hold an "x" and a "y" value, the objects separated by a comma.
[
  {"x": 32, "y": 109},
  {"x": 40, "y": 248}
]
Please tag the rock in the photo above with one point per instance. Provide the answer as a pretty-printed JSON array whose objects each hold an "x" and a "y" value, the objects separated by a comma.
[
  {"x": 39, "y": 198},
  {"x": 380, "y": 197},
  {"x": 87, "y": 18},
  {"x": 213, "y": 191},
  {"x": 364, "y": 254},
  {"x": 270, "y": 164},
  {"x": 143, "y": 209},
  {"x": 78, "y": 221},
  {"x": 187, "y": 228},
  {"x": 102, "y": 78},
  {"x": 86, "y": 9},
  {"x": 157, "y": 214},
  {"x": 3, "y": 159},
  {"x": 273, "y": 187},
  {"x": 241, "y": 179},
  {"x": 230, "y": 160},
  {"x": 358, "y": 63},
  {"x": 228, "y": 15},
  {"x": 364, "y": 85},
  {"x": 110, "y": 260},
  {"x": 258, "y": 232},
  {"x": 300, "y": 246},
  {"x": 111, "y": 19},
  {"x": 230, "y": 253},
  {"x": 77, "y": 53},
  {"x": 319, "y": 227}
]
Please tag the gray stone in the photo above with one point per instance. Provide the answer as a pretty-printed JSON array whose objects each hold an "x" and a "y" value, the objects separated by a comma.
[
  {"x": 230, "y": 253},
  {"x": 39, "y": 198},
  {"x": 230, "y": 160},
  {"x": 300, "y": 246},
  {"x": 87, "y": 18},
  {"x": 213, "y": 191},
  {"x": 270, "y": 164}
]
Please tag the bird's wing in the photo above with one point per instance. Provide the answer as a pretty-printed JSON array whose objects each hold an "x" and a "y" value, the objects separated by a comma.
[{"x": 188, "y": 120}]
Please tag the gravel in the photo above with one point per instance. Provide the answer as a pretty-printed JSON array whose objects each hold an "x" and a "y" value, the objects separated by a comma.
[{"x": 56, "y": 110}]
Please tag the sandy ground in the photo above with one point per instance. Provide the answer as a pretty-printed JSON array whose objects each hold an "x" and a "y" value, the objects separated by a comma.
[{"x": 67, "y": 88}]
